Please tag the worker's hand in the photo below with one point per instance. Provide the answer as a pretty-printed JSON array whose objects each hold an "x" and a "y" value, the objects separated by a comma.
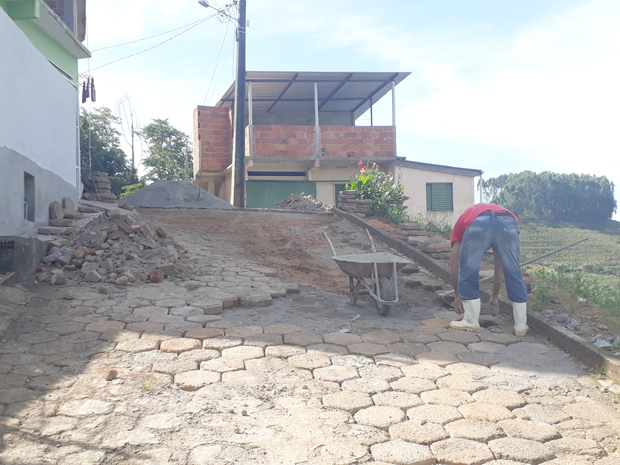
[
  {"x": 494, "y": 301},
  {"x": 458, "y": 305}
]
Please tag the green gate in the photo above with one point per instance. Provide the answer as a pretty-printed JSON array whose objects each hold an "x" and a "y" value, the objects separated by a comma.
[{"x": 265, "y": 194}]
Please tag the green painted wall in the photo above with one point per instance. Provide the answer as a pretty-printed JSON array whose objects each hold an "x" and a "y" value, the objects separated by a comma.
[
  {"x": 51, "y": 49},
  {"x": 265, "y": 194}
]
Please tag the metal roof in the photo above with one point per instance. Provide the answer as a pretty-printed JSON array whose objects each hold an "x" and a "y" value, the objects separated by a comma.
[
  {"x": 439, "y": 168},
  {"x": 294, "y": 91}
]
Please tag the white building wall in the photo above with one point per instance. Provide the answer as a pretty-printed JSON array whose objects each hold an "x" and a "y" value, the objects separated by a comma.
[
  {"x": 38, "y": 130},
  {"x": 414, "y": 182}
]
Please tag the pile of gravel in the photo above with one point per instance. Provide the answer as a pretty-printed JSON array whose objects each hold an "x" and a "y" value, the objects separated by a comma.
[
  {"x": 303, "y": 202},
  {"x": 175, "y": 194}
]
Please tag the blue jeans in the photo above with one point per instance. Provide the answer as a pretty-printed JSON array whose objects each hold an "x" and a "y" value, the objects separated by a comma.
[{"x": 500, "y": 231}]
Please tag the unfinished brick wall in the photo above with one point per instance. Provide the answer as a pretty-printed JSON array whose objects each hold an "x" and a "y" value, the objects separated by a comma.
[
  {"x": 336, "y": 141},
  {"x": 358, "y": 141},
  {"x": 213, "y": 137},
  {"x": 282, "y": 141}
]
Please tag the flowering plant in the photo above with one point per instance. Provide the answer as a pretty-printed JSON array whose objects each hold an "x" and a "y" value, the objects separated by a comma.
[{"x": 387, "y": 195}]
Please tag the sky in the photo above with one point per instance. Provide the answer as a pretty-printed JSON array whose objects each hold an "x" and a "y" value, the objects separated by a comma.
[{"x": 501, "y": 86}]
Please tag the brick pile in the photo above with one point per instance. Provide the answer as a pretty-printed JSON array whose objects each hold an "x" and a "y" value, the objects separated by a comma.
[
  {"x": 98, "y": 187},
  {"x": 348, "y": 202}
]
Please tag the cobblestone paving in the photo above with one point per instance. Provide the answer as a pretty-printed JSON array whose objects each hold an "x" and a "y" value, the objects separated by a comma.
[{"x": 163, "y": 374}]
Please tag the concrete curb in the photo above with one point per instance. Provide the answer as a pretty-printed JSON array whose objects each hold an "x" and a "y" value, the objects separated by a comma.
[{"x": 560, "y": 336}]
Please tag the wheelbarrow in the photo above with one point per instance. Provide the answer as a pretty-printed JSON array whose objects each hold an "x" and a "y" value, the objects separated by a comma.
[{"x": 377, "y": 272}]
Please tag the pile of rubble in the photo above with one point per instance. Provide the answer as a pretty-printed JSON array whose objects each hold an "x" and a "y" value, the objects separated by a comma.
[
  {"x": 98, "y": 187},
  {"x": 348, "y": 202},
  {"x": 416, "y": 234},
  {"x": 302, "y": 202},
  {"x": 120, "y": 249}
]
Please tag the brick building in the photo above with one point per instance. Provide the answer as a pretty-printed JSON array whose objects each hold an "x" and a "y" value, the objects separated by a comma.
[{"x": 300, "y": 134}]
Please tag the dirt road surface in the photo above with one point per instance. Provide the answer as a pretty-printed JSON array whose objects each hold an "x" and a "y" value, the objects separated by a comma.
[{"x": 258, "y": 358}]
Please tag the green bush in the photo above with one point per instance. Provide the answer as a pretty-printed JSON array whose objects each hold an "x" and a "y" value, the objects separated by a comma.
[
  {"x": 442, "y": 227},
  {"x": 387, "y": 195},
  {"x": 131, "y": 188}
]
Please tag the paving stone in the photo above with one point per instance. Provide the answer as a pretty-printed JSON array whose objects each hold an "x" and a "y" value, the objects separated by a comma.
[
  {"x": 541, "y": 413},
  {"x": 381, "y": 337},
  {"x": 179, "y": 345},
  {"x": 589, "y": 410},
  {"x": 443, "y": 323},
  {"x": 12, "y": 396},
  {"x": 485, "y": 411},
  {"x": 199, "y": 355},
  {"x": 402, "y": 453},
  {"x": 511, "y": 462},
  {"x": 103, "y": 326},
  {"x": 456, "y": 451},
  {"x": 350, "y": 401},
  {"x": 417, "y": 432},
  {"x": 518, "y": 384},
  {"x": 387, "y": 373},
  {"x": 367, "y": 435},
  {"x": 38, "y": 337},
  {"x": 194, "y": 380},
  {"x": 243, "y": 353},
  {"x": 263, "y": 340},
  {"x": 284, "y": 351},
  {"x": 244, "y": 331},
  {"x": 477, "y": 358},
  {"x": 407, "y": 348},
  {"x": 509, "y": 399},
  {"x": 520, "y": 450},
  {"x": 221, "y": 343},
  {"x": 261, "y": 300},
  {"x": 161, "y": 421},
  {"x": 336, "y": 374},
  {"x": 424, "y": 370},
  {"x": 118, "y": 336},
  {"x": 203, "y": 319},
  {"x": 137, "y": 345},
  {"x": 186, "y": 310},
  {"x": 162, "y": 335},
  {"x": 303, "y": 339},
  {"x": 402, "y": 400},
  {"x": 85, "y": 408},
  {"x": 395, "y": 360},
  {"x": 422, "y": 337},
  {"x": 168, "y": 303},
  {"x": 446, "y": 397},
  {"x": 330, "y": 350},
  {"x": 481, "y": 431},
  {"x": 567, "y": 461},
  {"x": 150, "y": 311},
  {"x": 447, "y": 347},
  {"x": 462, "y": 337},
  {"x": 366, "y": 348},
  {"x": 342, "y": 339},
  {"x": 611, "y": 460},
  {"x": 440, "y": 414},
  {"x": 438, "y": 358},
  {"x": 488, "y": 348},
  {"x": 90, "y": 456},
  {"x": 472, "y": 369},
  {"x": 585, "y": 448},
  {"x": 13, "y": 381},
  {"x": 413, "y": 385},
  {"x": 203, "y": 333},
  {"x": 222, "y": 365},
  {"x": 356, "y": 361},
  {"x": 142, "y": 326},
  {"x": 57, "y": 424},
  {"x": 499, "y": 338},
  {"x": 368, "y": 386},
  {"x": 66, "y": 327},
  {"x": 379, "y": 417},
  {"x": 309, "y": 361},
  {"x": 181, "y": 325},
  {"x": 174, "y": 367},
  {"x": 281, "y": 329},
  {"x": 532, "y": 430},
  {"x": 33, "y": 370},
  {"x": 462, "y": 382}
]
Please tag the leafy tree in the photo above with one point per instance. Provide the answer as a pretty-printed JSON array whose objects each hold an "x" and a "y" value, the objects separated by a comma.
[
  {"x": 100, "y": 148},
  {"x": 571, "y": 197},
  {"x": 167, "y": 151}
]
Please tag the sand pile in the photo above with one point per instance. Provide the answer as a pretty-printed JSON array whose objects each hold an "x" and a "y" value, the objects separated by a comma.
[
  {"x": 302, "y": 202},
  {"x": 175, "y": 194}
]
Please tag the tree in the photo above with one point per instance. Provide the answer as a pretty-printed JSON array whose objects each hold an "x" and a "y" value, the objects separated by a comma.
[
  {"x": 100, "y": 148},
  {"x": 168, "y": 149}
]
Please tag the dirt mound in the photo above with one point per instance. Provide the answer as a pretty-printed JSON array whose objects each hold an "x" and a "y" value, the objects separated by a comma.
[
  {"x": 303, "y": 202},
  {"x": 175, "y": 194}
]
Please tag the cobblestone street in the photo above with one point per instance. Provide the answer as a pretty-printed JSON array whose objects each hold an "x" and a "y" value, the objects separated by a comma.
[{"x": 245, "y": 363}]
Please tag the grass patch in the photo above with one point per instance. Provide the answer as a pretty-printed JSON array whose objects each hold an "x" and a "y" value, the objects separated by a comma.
[
  {"x": 192, "y": 286},
  {"x": 148, "y": 382},
  {"x": 441, "y": 227}
]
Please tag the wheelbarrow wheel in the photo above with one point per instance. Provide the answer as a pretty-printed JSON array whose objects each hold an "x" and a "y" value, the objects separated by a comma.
[{"x": 387, "y": 293}]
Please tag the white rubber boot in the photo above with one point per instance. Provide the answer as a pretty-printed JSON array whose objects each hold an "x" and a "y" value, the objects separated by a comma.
[
  {"x": 470, "y": 317},
  {"x": 519, "y": 312}
]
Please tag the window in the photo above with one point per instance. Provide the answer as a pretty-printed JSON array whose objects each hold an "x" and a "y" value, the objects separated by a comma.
[{"x": 439, "y": 197}]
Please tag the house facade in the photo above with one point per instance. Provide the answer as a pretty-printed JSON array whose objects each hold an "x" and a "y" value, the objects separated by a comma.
[
  {"x": 300, "y": 135},
  {"x": 440, "y": 193},
  {"x": 40, "y": 45}
]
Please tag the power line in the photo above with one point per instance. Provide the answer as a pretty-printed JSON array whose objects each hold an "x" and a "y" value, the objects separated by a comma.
[
  {"x": 151, "y": 37},
  {"x": 216, "y": 63},
  {"x": 155, "y": 46}
]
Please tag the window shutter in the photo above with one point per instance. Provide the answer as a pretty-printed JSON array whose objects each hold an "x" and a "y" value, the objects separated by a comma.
[{"x": 439, "y": 197}]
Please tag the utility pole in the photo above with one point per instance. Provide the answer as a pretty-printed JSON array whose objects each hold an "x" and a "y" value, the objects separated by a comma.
[{"x": 238, "y": 173}]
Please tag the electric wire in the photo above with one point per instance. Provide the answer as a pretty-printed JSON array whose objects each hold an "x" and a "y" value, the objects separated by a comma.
[
  {"x": 151, "y": 37},
  {"x": 216, "y": 63},
  {"x": 155, "y": 46}
]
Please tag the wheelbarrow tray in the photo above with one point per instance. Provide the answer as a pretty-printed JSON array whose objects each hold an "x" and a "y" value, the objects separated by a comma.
[{"x": 360, "y": 265}]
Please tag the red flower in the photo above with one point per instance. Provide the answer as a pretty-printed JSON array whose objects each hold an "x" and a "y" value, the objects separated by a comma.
[
  {"x": 363, "y": 170},
  {"x": 360, "y": 163}
]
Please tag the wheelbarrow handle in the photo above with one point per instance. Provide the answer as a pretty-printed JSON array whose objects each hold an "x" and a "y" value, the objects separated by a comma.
[
  {"x": 372, "y": 243},
  {"x": 330, "y": 244}
]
